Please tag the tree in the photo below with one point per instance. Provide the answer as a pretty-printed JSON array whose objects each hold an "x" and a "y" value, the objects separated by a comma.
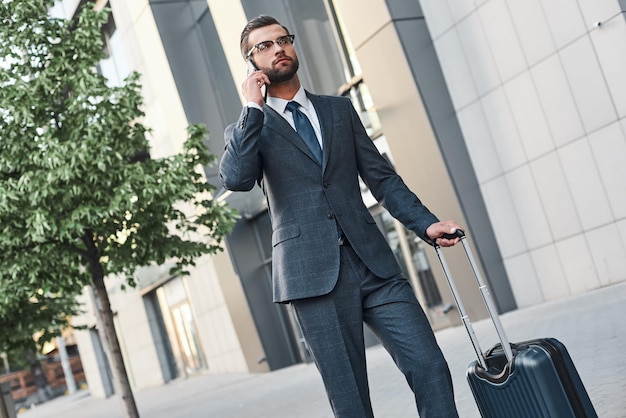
[{"x": 80, "y": 197}]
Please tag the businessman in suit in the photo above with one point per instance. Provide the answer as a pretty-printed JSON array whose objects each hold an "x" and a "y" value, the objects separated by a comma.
[{"x": 330, "y": 261}]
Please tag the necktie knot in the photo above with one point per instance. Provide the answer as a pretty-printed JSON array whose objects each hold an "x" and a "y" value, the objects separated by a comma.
[
  {"x": 305, "y": 130},
  {"x": 293, "y": 107}
]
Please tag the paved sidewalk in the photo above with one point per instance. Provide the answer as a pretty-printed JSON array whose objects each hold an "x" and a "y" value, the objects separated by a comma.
[{"x": 590, "y": 325}]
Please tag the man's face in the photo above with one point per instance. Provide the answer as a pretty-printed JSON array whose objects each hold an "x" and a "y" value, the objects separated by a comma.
[{"x": 280, "y": 63}]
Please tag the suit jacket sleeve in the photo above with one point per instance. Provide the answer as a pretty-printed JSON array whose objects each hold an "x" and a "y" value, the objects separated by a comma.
[
  {"x": 240, "y": 166},
  {"x": 387, "y": 186}
]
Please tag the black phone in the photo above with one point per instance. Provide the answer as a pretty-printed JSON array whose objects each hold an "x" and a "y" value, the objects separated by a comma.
[{"x": 251, "y": 68}]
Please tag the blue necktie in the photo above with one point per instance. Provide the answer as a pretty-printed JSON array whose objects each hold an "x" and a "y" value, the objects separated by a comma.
[{"x": 305, "y": 130}]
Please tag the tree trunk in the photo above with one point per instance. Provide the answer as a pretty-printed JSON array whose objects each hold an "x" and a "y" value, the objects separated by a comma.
[
  {"x": 107, "y": 331},
  {"x": 117, "y": 361}
]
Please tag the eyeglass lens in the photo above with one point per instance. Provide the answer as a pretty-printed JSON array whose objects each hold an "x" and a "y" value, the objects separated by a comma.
[{"x": 267, "y": 46}]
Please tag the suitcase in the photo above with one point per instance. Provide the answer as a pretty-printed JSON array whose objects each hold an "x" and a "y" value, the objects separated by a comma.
[{"x": 530, "y": 379}]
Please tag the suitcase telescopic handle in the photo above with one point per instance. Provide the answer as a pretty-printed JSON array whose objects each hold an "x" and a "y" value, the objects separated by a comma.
[{"x": 484, "y": 290}]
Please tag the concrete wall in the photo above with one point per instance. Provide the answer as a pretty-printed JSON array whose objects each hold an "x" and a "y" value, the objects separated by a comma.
[{"x": 541, "y": 98}]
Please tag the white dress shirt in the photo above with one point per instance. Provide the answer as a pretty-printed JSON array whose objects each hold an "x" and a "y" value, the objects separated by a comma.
[{"x": 306, "y": 107}]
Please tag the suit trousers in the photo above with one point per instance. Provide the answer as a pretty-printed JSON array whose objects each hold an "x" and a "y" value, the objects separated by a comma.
[{"x": 332, "y": 326}]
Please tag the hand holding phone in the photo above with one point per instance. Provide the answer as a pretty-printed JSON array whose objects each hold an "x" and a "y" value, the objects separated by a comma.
[{"x": 255, "y": 87}]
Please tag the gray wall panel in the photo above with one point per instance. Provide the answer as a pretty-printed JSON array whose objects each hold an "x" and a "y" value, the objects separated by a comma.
[
  {"x": 425, "y": 67},
  {"x": 203, "y": 78}
]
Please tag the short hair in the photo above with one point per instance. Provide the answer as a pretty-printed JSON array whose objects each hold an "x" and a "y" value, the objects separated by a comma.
[{"x": 256, "y": 23}]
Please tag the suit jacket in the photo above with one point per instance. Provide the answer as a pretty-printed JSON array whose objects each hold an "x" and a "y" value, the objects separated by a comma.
[{"x": 306, "y": 201}]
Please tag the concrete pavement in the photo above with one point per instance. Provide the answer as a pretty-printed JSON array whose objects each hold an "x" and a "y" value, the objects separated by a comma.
[{"x": 591, "y": 325}]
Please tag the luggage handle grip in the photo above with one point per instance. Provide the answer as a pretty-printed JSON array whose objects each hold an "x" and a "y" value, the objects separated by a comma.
[
  {"x": 459, "y": 233},
  {"x": 484, "y": 290}
]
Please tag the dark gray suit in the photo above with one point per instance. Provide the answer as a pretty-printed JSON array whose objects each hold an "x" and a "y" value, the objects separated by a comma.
[
  {"x": 306, "y": 200},
  {"x": 307, "y": 204}
]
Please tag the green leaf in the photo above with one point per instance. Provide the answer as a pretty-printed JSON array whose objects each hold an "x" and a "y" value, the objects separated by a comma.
[{"x": 79, "y": 195}]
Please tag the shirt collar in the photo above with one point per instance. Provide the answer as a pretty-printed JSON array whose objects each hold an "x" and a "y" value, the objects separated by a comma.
[{"x": 279, "y": 105}]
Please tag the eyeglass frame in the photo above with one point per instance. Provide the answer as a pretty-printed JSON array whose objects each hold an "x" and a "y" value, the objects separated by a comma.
[{"x": 291, "y": 38}]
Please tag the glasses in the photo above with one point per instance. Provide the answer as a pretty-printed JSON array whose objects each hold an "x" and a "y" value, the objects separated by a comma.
[{"x": 266, "y": 47}]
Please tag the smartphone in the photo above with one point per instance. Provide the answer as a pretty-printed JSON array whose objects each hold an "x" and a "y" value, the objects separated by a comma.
[{"x": 251, "y": 68}]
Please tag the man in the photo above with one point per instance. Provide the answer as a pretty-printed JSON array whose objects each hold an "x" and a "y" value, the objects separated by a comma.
[{"x": 330, "y": 261}]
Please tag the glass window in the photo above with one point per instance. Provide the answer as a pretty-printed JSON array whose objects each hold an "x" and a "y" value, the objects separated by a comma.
[
  {"x": 180, "y": 325},
  {"x": 114, "y": 66}
]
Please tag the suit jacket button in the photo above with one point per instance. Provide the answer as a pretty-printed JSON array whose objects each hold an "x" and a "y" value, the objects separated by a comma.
[
  {"x": 330, "y": 216},
  {"x": 325, "y": 184}
]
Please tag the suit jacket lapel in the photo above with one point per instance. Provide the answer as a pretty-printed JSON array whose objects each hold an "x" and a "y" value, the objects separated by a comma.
[{"x": 278, "y": 124}]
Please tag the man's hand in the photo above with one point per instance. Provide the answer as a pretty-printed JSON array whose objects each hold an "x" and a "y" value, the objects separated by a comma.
[
  {"x": 251, "y": 87},
  {"x": 437, "y": 230}
]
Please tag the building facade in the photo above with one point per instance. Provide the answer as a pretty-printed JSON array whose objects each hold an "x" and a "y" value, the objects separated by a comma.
[{"x": 506, "y": 115}]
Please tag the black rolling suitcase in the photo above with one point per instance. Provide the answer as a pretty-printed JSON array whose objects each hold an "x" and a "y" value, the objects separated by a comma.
[{"x": 531, "y": 379}]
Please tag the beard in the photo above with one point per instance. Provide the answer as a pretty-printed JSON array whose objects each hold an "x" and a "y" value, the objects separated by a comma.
[{"x": 285, "y": 73}]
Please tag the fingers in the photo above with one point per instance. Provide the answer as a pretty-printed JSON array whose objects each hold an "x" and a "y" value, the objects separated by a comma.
[
  {"x": 258, "y": 77},
  {"x": 449, "y": 227},
  {"x": 251, "y": 87},
  {"x": 438, "y": 231},
  {"x": 445, "y": 242}
]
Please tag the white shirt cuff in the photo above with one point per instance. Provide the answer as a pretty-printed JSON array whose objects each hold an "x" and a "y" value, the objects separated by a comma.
[{"x": 254, "y": 105}]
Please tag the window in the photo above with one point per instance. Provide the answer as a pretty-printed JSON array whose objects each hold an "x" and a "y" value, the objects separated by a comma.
[
  {"x": 114, "y": 66},
  {"x": 176, "y": 310}
]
